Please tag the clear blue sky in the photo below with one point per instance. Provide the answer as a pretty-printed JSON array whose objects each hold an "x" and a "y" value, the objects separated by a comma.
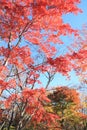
[{"x": 76, "y": 21}]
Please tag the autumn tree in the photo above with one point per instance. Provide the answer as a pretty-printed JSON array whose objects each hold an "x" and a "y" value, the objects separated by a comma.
[
  {"x": 29, "y": 32},
  {"x": 80, "y": 56},
  {"x": 66, "y": 103}
]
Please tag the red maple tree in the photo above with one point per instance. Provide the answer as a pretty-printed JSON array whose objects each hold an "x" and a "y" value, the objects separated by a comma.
[{"x": 27, "y": 29}]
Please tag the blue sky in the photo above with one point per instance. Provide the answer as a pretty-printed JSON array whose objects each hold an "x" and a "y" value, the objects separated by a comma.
[{"x": 76, "y": 21}]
